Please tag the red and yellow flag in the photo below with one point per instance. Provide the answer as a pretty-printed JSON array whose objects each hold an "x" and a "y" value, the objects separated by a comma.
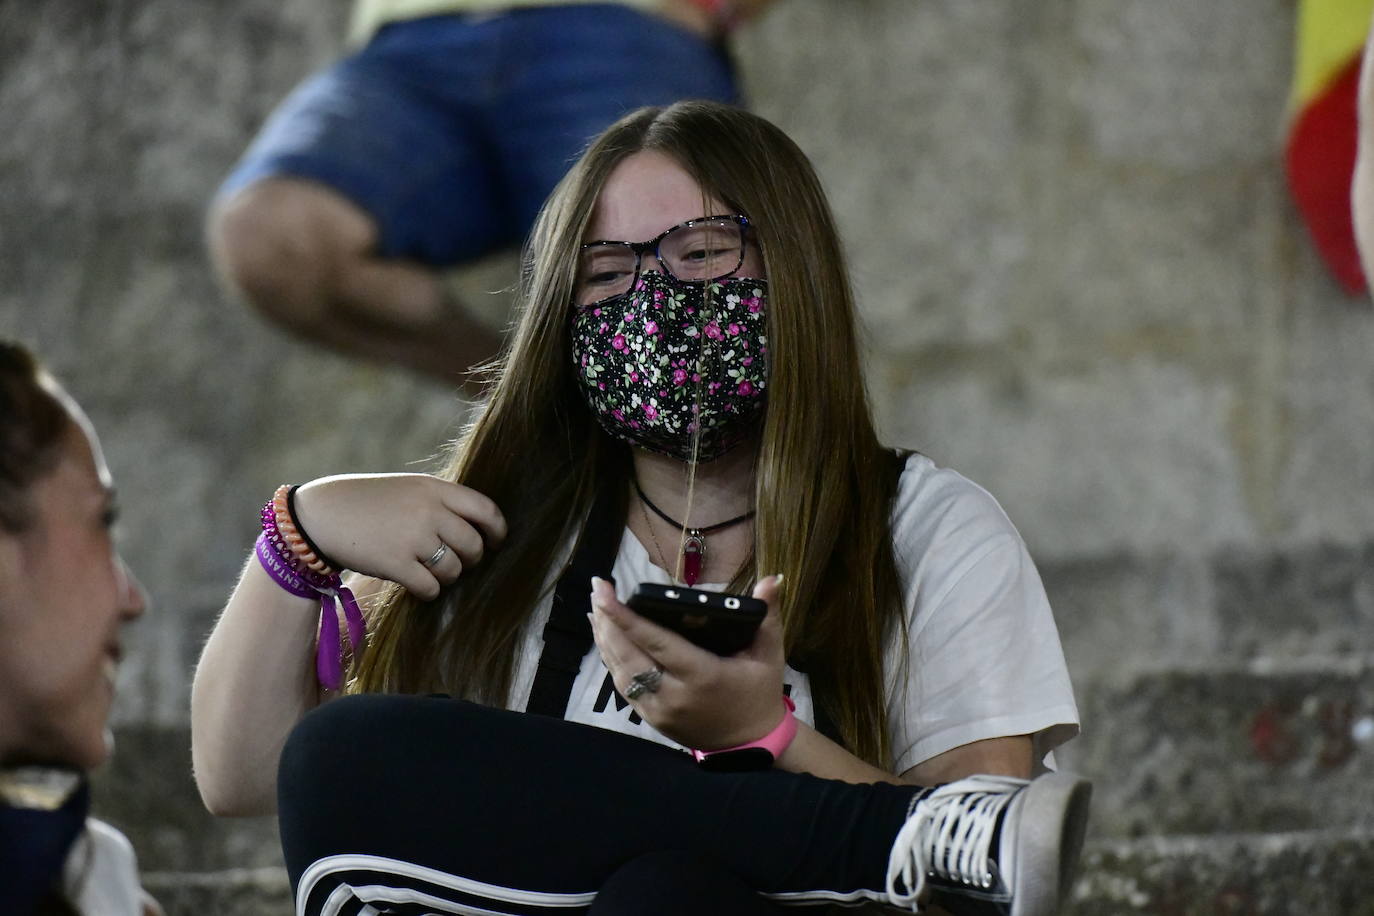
[{"x": 1322, "y": 137}]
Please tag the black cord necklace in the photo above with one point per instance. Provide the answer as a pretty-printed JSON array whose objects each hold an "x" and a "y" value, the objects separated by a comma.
[{"x": 694, "y": 546}]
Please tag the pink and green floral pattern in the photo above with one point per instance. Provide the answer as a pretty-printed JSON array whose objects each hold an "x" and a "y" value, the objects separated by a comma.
[{"x": 669, "y": 353}]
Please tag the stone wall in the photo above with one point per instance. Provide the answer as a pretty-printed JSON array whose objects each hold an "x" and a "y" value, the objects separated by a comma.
[{"x": 1083, "y": 282}]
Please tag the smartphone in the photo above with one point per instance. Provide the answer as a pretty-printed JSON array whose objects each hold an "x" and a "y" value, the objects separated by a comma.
[{"x": 723, "y": 623}]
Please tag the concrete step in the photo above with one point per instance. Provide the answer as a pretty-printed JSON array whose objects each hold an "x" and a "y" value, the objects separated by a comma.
[
  {"x": 232, "y": 892},
  {"x": 1130, "y": 610},
  {"x": 1256, "y": 748},
  {"x": 1323, "y": 873},
  {"x": 1318, "y": 873},
  {"x": 147, "y": 791}
]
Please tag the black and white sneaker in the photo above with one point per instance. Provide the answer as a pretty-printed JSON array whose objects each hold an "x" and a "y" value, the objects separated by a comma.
[{"x": 991, "y": 846}]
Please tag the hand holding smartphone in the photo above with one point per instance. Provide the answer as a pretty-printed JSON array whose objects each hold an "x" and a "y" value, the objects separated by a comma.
[{"x": 720, "y": 622}]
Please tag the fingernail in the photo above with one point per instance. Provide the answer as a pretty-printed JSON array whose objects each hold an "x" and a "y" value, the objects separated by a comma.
[
  {"x": 595, "y": 580},
  {"x": 777, "y": 579}
]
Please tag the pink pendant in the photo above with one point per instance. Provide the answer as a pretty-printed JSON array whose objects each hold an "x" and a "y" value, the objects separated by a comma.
[{"x": 693, "y": 555}]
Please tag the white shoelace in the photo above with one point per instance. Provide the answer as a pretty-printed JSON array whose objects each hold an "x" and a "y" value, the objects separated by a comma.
[{"x": 950, "y": 835}]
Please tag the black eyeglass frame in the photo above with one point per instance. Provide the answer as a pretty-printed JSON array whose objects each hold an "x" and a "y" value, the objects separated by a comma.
[{"x": 639, "y": 248}]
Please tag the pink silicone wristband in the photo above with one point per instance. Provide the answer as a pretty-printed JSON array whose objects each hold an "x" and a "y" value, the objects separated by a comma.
[{"x": 775, "y": 742}]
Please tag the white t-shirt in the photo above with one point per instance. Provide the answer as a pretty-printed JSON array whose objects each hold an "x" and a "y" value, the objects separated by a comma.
[
  {"x": 101, "y": 874},
  {"x": 983, "y": 658}
]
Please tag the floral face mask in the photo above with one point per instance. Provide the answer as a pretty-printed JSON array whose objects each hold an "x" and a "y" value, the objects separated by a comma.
[{"x": 669, "y": 355}]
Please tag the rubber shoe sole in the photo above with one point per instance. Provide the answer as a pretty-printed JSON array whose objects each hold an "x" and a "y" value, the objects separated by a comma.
[{"x": 1050, "y": 820}]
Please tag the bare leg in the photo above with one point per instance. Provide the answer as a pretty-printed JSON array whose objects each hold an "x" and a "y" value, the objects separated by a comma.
[{"x": 302, "y": 255}]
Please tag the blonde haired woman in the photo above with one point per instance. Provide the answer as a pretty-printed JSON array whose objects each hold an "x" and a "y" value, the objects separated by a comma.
[{"x": 682, "y": 404}]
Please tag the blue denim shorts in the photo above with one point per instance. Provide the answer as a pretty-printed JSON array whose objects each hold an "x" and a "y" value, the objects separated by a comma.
[{"x": 452, "y": 130}]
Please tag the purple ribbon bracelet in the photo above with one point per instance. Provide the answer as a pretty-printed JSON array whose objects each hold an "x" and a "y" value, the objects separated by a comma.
[{"x": 295, "y": 577}]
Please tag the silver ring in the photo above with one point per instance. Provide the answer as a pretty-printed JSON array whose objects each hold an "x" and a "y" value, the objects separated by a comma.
[
  {"x": 645, "y": 681},
  {"x": 435, "y": 557}
]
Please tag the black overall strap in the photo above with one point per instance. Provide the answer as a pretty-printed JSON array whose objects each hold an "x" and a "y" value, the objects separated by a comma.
[{"x": 568, "y": 634}]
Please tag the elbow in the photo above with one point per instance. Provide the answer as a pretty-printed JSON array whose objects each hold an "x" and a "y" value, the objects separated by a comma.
[
  {"x": 217, "y": 802},
  {"x": 230, "y": 786},
  {"x": 224, "y": 798}
]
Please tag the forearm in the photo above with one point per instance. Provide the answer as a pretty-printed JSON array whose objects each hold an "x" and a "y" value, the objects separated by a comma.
[
  {"x": 254, "y": 681},
  {"x": 444, "y": 347},
  {"x": 811, "y": 752}
]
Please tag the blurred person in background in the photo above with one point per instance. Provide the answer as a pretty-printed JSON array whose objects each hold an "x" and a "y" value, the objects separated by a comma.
[
  {"x": 64, "y": 596},
  {"x": 433, "y": 144}
]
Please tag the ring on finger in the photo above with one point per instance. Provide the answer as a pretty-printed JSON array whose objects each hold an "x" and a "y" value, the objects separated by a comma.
[
  {"x": 438, "y": 555},
  {"x": 646, "y": 681}
]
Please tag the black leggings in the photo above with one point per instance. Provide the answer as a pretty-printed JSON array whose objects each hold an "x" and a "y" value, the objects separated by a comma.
[
  {"x": 677, "y": 883},
  {"x": 426, "y": 804}
]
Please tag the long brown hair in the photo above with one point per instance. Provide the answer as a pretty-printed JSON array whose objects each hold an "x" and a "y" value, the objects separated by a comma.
[{"x": 824, "y": 484}]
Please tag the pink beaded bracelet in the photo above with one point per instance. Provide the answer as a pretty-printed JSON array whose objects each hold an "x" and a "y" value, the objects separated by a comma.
[{"x": 294, "y": 575}]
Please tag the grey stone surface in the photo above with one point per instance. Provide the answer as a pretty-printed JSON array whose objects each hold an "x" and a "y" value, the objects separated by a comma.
[
  {"x": 1121, "y": 613},
  {"x": 231, "y": 892},
  {"x": 1318, "y": 598},
  {"x": 1125, "y": 612},
  {"x": 1183, "y": 84},
  {"x": 1323, "y": 483},
  {"x": 1060, "y": 436},
  {"x": 1083, "y": 279},
  {"x": 1267, "y": 747},
  {"x": 1318, "y": 873},
  {"x": 147, "y": 791},
  {"x": 874, "y": 129}
]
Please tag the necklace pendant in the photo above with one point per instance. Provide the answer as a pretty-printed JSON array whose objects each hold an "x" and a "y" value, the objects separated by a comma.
[{"x": 693, "y": 555}]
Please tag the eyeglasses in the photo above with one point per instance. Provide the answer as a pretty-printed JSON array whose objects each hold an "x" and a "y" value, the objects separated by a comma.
[{"x": 703, "y": 249}]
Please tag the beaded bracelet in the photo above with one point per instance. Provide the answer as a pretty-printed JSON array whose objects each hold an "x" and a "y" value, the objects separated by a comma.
[
  {"x": 305, "y": 535},
  {"x": 295, "y": 575},
  {"x": 292, "y": 533}
]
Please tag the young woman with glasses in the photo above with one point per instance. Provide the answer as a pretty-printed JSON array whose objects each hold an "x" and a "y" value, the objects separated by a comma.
[{"x": 681, "y": 403}]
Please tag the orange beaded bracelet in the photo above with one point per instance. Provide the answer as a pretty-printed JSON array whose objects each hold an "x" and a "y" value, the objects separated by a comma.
[{"x": 291, "y": 534}]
